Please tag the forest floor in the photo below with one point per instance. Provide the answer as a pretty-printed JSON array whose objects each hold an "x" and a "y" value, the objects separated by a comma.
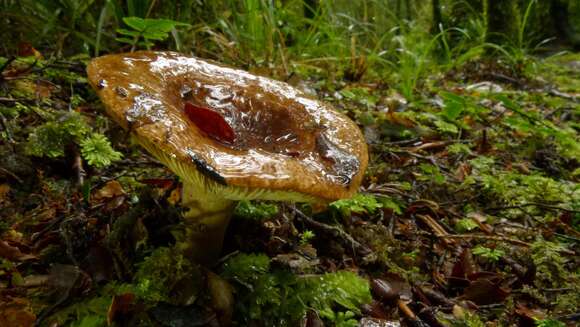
[{"x": 469, "y": 214}]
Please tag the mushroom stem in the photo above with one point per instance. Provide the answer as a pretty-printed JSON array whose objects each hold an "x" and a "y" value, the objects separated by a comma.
[{"x": 206, "y": 222}]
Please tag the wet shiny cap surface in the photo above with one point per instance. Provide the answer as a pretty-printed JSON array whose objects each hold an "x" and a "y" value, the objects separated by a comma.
[{"x": 236, "y": 128}]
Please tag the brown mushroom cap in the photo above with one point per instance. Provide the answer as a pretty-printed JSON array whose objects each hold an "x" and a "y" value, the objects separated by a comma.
[{"x": 239, "y": 134}]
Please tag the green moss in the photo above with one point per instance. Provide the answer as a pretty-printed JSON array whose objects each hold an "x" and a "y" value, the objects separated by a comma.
[
  {"x": 277, "y": 297},
  {"x": 255, "y": 210},
  {"x": 550, "y": 264},
  {"x": 64, "y": 76},
  {"x": 513, "y": 189},
  {"x": 64, "y": 129},
  {"x": 359, "y": 203},
  {"x": 159, "y": 276},
  {"x": 97, "y": 151},
  {"x": 51, "y": 138}
]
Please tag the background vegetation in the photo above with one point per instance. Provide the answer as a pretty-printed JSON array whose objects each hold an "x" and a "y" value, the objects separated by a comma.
[{"x": 469, "y": 212}]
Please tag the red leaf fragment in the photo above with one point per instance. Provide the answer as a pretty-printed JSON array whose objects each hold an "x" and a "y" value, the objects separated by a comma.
[
  {"x": 211, "y": 123},
  {"x": 157, "y": 182},
  {"x": 121, "y": 305}
]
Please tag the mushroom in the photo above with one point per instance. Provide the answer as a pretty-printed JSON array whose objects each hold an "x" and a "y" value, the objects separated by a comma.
[{"x": 229, "y": 135}]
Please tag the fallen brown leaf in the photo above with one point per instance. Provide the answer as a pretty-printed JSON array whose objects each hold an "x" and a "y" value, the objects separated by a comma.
[
  {"x": 4, "y": 190},
  {"x": 16, "y": 312},
  {"x": 110, "y": 190},
  {"x": 486, "y": 290},
  {"x": 13, "y": 253}
]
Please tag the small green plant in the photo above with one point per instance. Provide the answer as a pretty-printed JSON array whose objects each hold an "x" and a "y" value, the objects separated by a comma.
[
  {"x": 391, "y": 203},
  {"x": 454, "y": 105},
  {"x": 533, "y": 123},
  {"x": 91, "y": 312},
  {"x": 97, "y": 151},
  {"x": 490, "y": 254},
  {"x": 411, "y": 255},
  {"x": 446, "y": 127},
  {"x": 431, "y": 173},
  {"x": 343, "y": 319},
  {"x": 246, "y": 268},
  {"x": 143, "y": 31},
  {"x": 306, "y": 237},
  {"x": 469, "y": 320},
  {"x": 255, "y": 210},
  {"x": 359, "y": 203},
  {"x": 459, "y": 149},
  {"x": 465, "y": 225},
  {"x": 549, "y": 323}
]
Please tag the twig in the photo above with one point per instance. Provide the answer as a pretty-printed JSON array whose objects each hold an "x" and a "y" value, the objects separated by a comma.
[
  {"x": 438, "y": 230},
  {"x": 416, "y": 155},
  {"x": 430, "y": 145},
  {"x": 561, "y": 289},
  {"x": 568, "y": 237},
  {"x": 11, "y": 174},
  {"x": 79, "y": 169},
  {"x": 499, "y": 239},
  {"x": 226, "y": 257},
  {"x": 6, "y": 128},
  {"x": 566, "y": 96},
  {"x": 8, "y": 100},
  {"x": 335, "y": 231},
  {"x": 504, "y": 78},
  {"x": 490, "y": 306},
  {"x": 5, "y": 65},
  {"x": 403, "y": 142},
  {"x": 572, "y": 316},
  {"x": 382, "y": 189},
  {"x": 487, "y": 237},
  {"x": 407, "y": 312},
  {"x": 534, "y": 204}
]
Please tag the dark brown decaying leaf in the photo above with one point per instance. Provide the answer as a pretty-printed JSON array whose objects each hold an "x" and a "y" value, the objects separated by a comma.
[
  {"x": 486, "y": 290},
  {"x": 464, "y": 267},
  {"x": 375, "y": 310},
  {"x": 390, "y": 287}
]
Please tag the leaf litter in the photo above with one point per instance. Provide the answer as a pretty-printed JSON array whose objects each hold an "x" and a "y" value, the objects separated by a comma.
[{"x": 470, "y": 212}]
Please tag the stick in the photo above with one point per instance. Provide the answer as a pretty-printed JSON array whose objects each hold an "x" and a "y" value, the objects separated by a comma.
[
  {"x": 534, "y": 204},
  {"x": 9, "y": 173},
  {"x": 78, "y": 167},
  {"x": 500, "y": 239},
  {"x": 487, "y": 237},
  {"x": 343, "y": 236},
  {"x": 437, "y": 229}
]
